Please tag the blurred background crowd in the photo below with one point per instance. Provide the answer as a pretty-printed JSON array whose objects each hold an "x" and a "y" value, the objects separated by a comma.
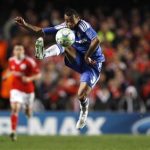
[{"x": 124, "y": 33}]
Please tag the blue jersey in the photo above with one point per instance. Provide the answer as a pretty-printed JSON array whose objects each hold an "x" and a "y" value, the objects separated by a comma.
[{"x": 84, "y": 34}]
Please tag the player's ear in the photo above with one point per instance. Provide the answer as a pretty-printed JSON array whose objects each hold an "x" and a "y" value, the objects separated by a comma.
[{"x": 76, "y": 17}]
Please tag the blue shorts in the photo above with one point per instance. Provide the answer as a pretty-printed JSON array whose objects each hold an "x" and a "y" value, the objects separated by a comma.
[{"x": 89, "y": 73}]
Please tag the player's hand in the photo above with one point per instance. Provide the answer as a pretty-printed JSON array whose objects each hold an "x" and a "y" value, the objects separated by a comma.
[
  {"x": 89, "y": 61},
  {"x": 20, "y": 21},
  {"x": 26, "y": 79}
]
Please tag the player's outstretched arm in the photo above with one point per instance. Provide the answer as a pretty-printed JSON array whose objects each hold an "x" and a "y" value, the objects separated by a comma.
[
  {"x": 94, "y": 43},
  {"x": 21, "y": 22}
]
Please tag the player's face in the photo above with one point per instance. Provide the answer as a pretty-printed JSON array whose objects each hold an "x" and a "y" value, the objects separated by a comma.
[
  {"x": 18, "y": 51},
  {"x": 71, "y": 21}
]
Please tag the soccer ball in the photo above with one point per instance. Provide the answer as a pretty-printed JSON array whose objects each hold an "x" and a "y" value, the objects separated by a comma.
[{"x": 65, "y": 37}]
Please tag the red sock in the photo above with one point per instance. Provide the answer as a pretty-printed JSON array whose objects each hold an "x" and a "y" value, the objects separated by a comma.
[{"x": 14, "y": 122}]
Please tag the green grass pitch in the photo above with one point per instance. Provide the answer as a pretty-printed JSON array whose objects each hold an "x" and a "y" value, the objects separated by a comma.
[{"x": 102, "y": 142}]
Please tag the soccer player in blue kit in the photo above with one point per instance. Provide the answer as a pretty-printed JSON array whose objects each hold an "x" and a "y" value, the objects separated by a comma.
[{"x": 84, "y": 56}]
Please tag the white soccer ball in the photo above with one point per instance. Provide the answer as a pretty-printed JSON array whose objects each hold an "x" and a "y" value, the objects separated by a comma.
[{"x": 65, "y": 37}]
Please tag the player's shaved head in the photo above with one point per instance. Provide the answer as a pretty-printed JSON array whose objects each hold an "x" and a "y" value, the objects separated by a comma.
[
  {"x": 71, "y": 17},
  {"x": 70, "y": 12}
]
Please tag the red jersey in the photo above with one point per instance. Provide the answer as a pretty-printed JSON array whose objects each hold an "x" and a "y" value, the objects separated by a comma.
[{"x": 25, "y": 67}]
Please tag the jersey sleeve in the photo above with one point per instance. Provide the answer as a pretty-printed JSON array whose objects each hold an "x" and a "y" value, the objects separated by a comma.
[
  {"x": 49, "y": 30},
  {"x": 91, "y": 33},
  {"x": 33, "y": 66},
  {"x": 87, "y": 29},
  {"x": 53, "y": 30}
]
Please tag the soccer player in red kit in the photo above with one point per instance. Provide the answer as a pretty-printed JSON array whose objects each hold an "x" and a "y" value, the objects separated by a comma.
[{"x": 24, "y": 70}]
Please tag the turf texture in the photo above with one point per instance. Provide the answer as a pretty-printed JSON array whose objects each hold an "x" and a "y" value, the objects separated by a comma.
[{"x": 102, "y": 142}]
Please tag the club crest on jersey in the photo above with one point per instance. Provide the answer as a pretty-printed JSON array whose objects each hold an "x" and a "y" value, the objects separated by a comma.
[
  {"x": 78, "y": 34},
  {"x": 13, "y": 67},
  {"x": 23, "y": 66}
]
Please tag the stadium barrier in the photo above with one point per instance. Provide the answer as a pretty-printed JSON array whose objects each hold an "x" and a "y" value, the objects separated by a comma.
[{"x": 63, "y": 123}]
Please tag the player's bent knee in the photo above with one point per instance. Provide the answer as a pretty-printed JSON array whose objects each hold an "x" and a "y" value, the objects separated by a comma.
[
  {"x": 15, "y": 111},
  {"x": 81, "y": 96},
  {"x": 29, "y": 114}
]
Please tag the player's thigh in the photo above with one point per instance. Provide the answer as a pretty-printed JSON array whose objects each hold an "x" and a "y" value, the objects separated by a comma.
[
  {"x": 29, "y": 100},
  {"x": 16, "y": 100},
  {"x": 70, "y": 53},
  {"x": 90, "y": 76},
  {"x": 16, "y": 97},
  {"x": 15, "y": 107},
  {"x": 74, "y": 63}
]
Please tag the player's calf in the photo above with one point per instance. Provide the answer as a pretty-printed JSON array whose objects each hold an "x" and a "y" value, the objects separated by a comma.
[
  {"x": 28, "y": 112},
  {"x": 84, "y": 104},
  {"x": 15, "y": 108},
  {"x": 53, "y": 50},
  {"x": 14, "y": 122}
]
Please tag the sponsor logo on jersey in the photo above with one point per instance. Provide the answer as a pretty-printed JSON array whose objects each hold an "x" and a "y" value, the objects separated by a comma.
[{"x": 23, "y": 66}]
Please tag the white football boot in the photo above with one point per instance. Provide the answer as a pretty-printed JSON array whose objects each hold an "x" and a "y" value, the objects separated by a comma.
[
  {"x": 83, "y": 116},
  {"x": 39, "y": 48}
]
